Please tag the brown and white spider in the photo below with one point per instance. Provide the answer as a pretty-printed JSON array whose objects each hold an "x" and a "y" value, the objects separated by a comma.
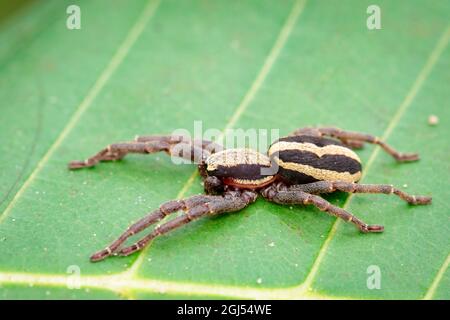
[{"x": 307, "y": 164}]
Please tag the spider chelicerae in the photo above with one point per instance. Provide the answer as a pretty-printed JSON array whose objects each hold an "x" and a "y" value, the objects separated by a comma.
[{"x": 296, "y": 169}]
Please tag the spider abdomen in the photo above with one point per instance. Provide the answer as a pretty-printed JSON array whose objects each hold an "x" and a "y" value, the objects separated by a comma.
[
  {"x": 304, "y": 159},
  {"x": 242, "y": 168}
]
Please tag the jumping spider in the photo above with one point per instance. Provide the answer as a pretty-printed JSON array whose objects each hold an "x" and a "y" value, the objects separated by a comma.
[{"x": 307, "y": 164}]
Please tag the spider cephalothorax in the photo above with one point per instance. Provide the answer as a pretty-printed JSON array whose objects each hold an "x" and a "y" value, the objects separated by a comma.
[{"x": 296, "y": 169}]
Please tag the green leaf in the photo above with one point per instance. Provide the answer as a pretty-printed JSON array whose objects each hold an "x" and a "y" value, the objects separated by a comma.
[{"x": 150, "y": 67}]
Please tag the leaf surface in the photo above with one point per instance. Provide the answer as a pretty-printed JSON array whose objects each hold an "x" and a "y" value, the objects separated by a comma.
[{"x": 153, "y": 67}]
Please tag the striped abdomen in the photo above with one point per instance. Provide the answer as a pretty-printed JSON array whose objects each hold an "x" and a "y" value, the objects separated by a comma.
[
  {"x": 305, "y": 159},
  {"x": 240, "y": 168}
]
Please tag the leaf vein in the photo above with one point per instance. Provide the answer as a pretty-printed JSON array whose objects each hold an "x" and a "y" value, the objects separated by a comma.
[
  {"x": 274, "y": 53},
  {"x": 412, "y": 93},
  {"x": 113, "y": 64}
]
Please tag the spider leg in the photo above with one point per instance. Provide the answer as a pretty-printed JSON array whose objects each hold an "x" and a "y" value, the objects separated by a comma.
[
  {"x": 357, "y": 139},
  {"x": 329, "y": 186},
  {"x": 353, "y": 144},
  {"x": 212, "y": 147},
  {"x": 177, "y": 146},
  {"x": 230, "y": 202},
  {"x": 164, "y": 210},
  {"x": 299, "y": 197}
]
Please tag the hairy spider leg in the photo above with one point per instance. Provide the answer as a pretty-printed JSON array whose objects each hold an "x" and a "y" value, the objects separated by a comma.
[
  {"x": 299, "y": 197},
  {"x": 172, "y": 145},
  {"x": 229, "y": 202},
  {"x": 331, "y": 186},
  {"x": 356, "y": 140},
  {"x": 164, "y": 210},
  {"x": 212, "y": 147}
]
